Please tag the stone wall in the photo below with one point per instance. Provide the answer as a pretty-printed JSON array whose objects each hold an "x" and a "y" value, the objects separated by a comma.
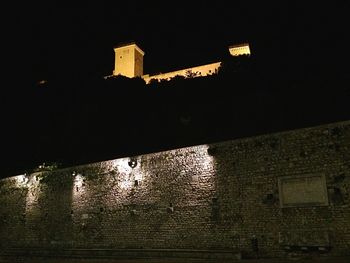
[
  {"x": 215, "y": 196},
  {"x": 199, "y": 71}
]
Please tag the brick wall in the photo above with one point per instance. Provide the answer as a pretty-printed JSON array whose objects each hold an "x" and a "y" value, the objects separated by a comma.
[{"x": 203, "y": 197}]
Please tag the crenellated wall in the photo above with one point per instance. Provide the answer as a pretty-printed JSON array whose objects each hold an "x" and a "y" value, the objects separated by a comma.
[{"x": 215, "y": 196}]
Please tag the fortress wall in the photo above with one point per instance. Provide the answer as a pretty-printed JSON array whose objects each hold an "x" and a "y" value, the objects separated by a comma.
[
  {"x": 240, "y": 50},
  {"x": 201, "y": 71},
  {"x": 213, "y": 196}
]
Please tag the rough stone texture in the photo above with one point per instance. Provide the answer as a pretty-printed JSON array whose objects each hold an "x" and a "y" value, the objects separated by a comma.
[{"x": 203, "y": 197}]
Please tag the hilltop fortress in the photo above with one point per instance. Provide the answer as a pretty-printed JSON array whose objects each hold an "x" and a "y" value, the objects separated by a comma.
[{"x": 129, "y": 63}]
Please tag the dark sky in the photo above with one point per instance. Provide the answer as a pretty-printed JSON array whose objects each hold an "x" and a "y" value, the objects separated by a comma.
[{"x": 54, "y": 38}]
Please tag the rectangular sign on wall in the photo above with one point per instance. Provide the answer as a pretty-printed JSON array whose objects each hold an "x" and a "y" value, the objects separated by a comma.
[{"x": 305, "y": 190}]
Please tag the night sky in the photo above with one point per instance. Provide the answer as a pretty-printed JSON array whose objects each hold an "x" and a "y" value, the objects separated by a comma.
[
  {"x": 54, "y": 38},
  {"x": 50, "y": 40}
]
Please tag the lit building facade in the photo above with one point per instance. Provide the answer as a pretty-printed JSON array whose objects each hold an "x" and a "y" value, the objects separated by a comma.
[{"x": 129, "y": 63}]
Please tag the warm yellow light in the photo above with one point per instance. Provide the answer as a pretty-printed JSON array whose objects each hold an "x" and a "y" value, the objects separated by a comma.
[
  {"x": 128, "y": 61},
  {"x": 199, "y": 71},
  {"x": 241, "y": 49}
]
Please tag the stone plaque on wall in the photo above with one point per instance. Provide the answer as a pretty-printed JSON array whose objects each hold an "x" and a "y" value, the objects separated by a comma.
[
  {"x": 306, "y": 190},
  {"x": 319, "y": 237}
]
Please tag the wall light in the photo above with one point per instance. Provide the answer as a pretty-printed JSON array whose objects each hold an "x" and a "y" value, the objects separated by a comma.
[{"x": 132, "y": 163}]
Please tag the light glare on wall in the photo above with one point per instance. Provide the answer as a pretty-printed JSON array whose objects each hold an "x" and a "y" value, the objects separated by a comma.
[
  {"x": 122, "y": 166},
  {"x": 21, "y": 180}
]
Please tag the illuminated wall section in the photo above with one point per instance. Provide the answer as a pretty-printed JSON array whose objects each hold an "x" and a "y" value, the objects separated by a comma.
[
  {"x": 199, "y": 71},
  {"x": 138, "y": 67},
  {"x": 241, "y": 49},
  {"x": 133, "y": 198},
  {"x": 128, "y": 61}
]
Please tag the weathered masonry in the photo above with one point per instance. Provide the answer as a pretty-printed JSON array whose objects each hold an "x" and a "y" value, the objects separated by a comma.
[{"x": 290, "y": 190}]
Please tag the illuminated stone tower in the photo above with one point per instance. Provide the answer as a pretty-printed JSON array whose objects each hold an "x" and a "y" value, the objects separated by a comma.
[{"x": 128, "y": 60}]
